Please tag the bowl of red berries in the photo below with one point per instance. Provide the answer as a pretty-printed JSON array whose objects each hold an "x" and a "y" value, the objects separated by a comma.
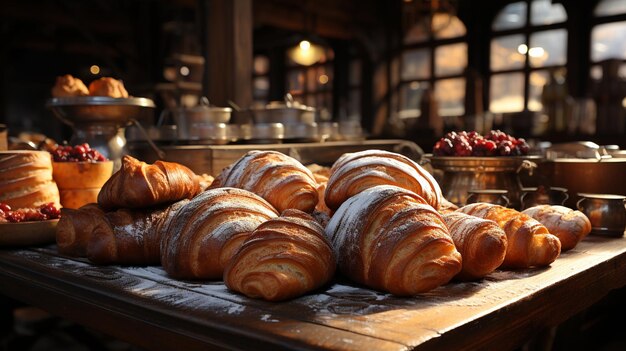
[
  {"x": 28, "y": 226},
  {"x": 469, "y": 160},
  {"x": 79, "y": 172}
]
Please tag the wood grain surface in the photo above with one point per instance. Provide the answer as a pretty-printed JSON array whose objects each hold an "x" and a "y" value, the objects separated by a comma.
[{"x": 499, "y": 312}]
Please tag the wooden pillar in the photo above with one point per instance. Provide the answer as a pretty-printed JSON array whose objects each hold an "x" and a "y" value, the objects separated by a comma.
[{"x": 228, "y": 51}]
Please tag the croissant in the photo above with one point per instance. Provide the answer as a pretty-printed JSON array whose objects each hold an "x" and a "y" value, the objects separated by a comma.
[
  {"x": 391, "y": 239},
  {"x": 529, "y": 242},
  {"x": 130, "y": 236},
  {"x": 568, "y": 225},
  {"x": 481, "y": 242},
  {"x": 283, "y": 258},
  {"x": 355, "y": 172},
  {"x": 281, "y": 180},
  {"x": 75, "y": 227},
  {"x": 205, "y": 233},
  {"x": 138, "y": 185}
]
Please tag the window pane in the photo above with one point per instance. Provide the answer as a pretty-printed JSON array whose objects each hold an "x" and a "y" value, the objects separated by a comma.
[
  {"x": 450, "y": 96},
  {"x": 610, "y": 7},
  {"x": 507, "y": 93},
  {"x": 538, "y": 80},
  {"x": 512, "y": 16},
  {"x": 295, "y": 81},
  {"x": 608, "y": 41},
  {"x": 548, "y": 48},
  {"x": 261, "y": 65},
  {"x": 417, "y": 33},
  {"x": 311, "y": 79},
  {"x": 546, "y": 12},
  {"x": 450, "y": 59},
  {"x": 415, "y": 64},
  {"x": 410, "y": 97},
  {"x": 597, "y": 73},
  {"x": 508, "y": 52},
  {"x": 355, "y": 73},
  {"x": 446, "y": 26}
]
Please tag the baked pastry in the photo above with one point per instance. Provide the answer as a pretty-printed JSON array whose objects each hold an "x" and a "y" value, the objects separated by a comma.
[
  {"x": 283, "y": 258},
  {"x": 355, "y": 172},
  {"x": 482, "y": 244},
  {"x": 205, "y": 233},
  {"x": 68, "y": 86},
  {"x": 26, "y": 179},
  {"x": 391, "y": 239},
  {"x": 446, "y": 206},
  {"x": 529, "y": 242},
  {"x": 137, "y": 184},
  {"x": 107, "y": 86},
  {"x": 568, "y": 225},
  {"x": 75, "y": 228},
  {"x": 281, "y": 180}
]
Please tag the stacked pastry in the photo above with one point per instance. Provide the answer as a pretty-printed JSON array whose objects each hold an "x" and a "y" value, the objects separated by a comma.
[{"x": 26, "y": 179}]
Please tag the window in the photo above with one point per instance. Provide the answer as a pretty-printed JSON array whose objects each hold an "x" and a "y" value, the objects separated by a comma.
[
  {"x": 312, "y": 85},
  {"x": 529, "y": 41},
  {"x": 608, "y": 36},
  {"x": 434, "y": 57}
]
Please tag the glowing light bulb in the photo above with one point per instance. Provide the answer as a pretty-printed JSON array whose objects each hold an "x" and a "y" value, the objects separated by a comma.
[
  {"x": 522, "y": 49},
  {"x": 305, "y": 45},
  {"x": 94, "y": 69}
]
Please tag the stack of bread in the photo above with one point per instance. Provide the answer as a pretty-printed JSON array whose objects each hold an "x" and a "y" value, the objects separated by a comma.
[
  {"x": 26, "y": 179},
  {"x": 70, "y": 86},
  {"x": 272, "y": 228}
]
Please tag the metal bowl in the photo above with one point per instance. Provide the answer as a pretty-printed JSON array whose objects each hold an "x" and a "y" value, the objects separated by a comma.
[
  {"x": 606, "y": 212},
  {"x": 100, "y": 109}
]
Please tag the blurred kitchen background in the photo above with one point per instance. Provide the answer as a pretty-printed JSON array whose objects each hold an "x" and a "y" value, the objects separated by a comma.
[{"x": 551, "y": 70}]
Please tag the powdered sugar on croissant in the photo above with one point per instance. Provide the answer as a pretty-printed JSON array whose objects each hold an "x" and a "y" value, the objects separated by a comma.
[{"x": 355, "y": 172}]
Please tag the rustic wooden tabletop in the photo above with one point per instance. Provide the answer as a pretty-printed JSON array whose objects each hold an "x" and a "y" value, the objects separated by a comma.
[{"x": 143, "y": 306}]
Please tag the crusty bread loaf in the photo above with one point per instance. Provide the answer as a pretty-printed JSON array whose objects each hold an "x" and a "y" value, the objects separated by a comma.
[
  {"x": 283, "y": 258},
  {"x": 355, "y": 172},
  {"x": 75, "y": 228},
  {"x": 107, "y": 86},
  {"x": 281, "y": 180},
  {"x": 205, "y": 233},
  {"x": 529, "y": 242},
  {"x": 481, "y": 242},
  {"x": 391, "y": 239},
  {"x": 69, "y": 86},
  {"x": 26, "y": 179},
  {"x": 568, "y": 225},
  {"x": 138, "y": 185}
]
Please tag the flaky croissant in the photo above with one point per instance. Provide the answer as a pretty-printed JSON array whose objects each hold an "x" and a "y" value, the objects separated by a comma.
[
  {"x": 281, "y": 180},
  {"x": 355, "y": 172},
  {"x": 529, "y": 242},
  {"x": 391, "y": 239},
  {"x": 568, "y": 225},
  {"x": 205, "y": 233},
  {"x": 482, "y": 244},
  {"x": 75, "y": 228},
  {"x": 138, "y": 185},
  {"x": 284, "y": 258}
]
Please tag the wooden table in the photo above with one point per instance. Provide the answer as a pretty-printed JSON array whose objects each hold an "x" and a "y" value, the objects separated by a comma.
[{"x": 143, "y": 306}]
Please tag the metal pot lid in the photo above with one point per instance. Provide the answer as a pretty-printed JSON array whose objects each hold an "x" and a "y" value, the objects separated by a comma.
[
  {"x": 205, "y": 106},
  {"x": 288, "y": 103}
]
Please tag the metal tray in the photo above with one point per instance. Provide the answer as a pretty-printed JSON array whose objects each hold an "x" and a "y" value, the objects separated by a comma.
[{"x": 100, "y": 109}]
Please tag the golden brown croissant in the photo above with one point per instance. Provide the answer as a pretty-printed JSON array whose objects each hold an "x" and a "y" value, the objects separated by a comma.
[
  {"x": 285, "y": 257},
  {"x": 75, "y": 227},
  {"x": 67, "y": 86},
  {"x": 281, "y": 180},
  {"x": 568, "y": 225},
  {"x": 107, "y": 86},
  {"x": 391, "y": 239},
  {"x": 482, "y": 244},
  {"x": 529, "y": 242},
  {"x": 203, "y": 236},
  {"x": 138, "y": 185},
  {"x": 355, "y": 172}
]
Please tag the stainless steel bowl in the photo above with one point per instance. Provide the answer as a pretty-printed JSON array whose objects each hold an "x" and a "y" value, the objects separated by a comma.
[
  {"x": 100, "y": 109},
  {"x": 606, "y": 212}
]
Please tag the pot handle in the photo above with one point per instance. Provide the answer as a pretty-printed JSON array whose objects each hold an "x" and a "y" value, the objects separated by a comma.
[
  {"x": 527, "y": 165},
  {"x": 155, "y": 148}
]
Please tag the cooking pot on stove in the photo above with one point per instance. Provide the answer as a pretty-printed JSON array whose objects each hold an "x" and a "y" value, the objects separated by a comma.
[
  {"x": 285, "y": 112},
  {"x": 201, "y": 115}
]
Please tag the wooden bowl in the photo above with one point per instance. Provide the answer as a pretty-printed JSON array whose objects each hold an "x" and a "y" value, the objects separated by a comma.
[{"x": 81, "y": 175}]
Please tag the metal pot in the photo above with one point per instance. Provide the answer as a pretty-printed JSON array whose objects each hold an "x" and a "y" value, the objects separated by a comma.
[
  {"x": 285, "y": 112},
  {"x": 202, "y": 114},
  {"x": 462, "y": 174}
]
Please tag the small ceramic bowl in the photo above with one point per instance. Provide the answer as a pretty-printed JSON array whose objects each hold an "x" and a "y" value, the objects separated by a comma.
[{"x": 80, "y": 182}]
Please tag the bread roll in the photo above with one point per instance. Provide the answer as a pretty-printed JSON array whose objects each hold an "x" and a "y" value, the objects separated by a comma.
[
  {"x": 355, "y": 172},
  {"x": 391, "y": 239},
  {"x": 283, "y": 258},
  {"x": 281, "y": 180},
  {"x": 529, "y": 242},
  {"x": 138, "y": 185},
  {"x": 26, "y": 179},
  {"x": 69, "y": 86},
  {"x": 205, "y": 233},
  {"x": 107, "y": 86},
  {"x": 482, "y": 244},
  {"x": 568, "y": 225}
]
